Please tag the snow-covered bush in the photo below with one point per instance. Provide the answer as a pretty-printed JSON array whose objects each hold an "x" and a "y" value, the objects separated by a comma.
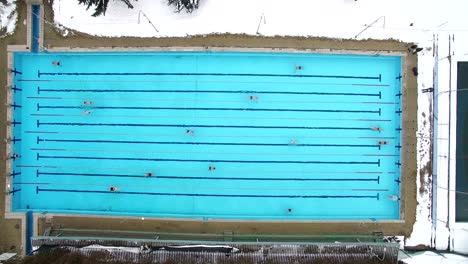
[
  {"x": 8, "y": 17},
  {"x": 101, "y": 5},
  {"x": 188, "y": 5}
]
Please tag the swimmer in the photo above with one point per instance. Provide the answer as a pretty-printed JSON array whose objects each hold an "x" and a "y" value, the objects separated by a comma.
[
  {"x": 211, "y": 168},
  {"x": 15, "y": 156},
  {"x": 56, "y": 63},
  {"x": 394, "y": 198},
  {"x": 148, "y": 174},
  {"x": 189, "y": 132},
  {"x": 87, "y": 112},
  {"x": 376, "y": 129},
  {"x": 383, "y": 143},
  {"x": 293, "y": 142},
  {"x": 113, "y": 189},
  {"x": 88, "y": 103},
  {"x": 298, "y": 67},
  {"x": 253, "y": 98},
  {"x": 289, "y": 210}
]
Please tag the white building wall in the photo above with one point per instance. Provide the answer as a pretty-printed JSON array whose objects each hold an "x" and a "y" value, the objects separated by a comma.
[{"x": 448, "y": 234}]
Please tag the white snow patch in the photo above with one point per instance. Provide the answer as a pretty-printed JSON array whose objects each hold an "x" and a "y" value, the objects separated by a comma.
[
  {"x": 116, "y": 249},
  {"x": 63, "y": 30},
  {"x": 429, "y": 257},
  {"x": 422, "y": 228},
  {"x": 6, "y": 256},
  {"x": 399, "y": 19},
  {"x": 8, "y": 17}
]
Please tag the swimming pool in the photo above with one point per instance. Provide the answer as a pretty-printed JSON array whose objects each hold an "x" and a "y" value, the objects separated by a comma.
[{"x": 225, "y": 135}]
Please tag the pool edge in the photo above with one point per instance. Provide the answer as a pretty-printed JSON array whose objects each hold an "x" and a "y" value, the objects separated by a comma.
[{"x": 405, "y": 175}]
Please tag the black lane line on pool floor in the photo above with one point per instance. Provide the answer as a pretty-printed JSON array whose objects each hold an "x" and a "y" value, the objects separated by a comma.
[
  {"x": 38, "y": 139},
  {"x": 39, "y": 156},
  {"x": 38, "y": 124},
  {"x": 56, "y": 184},
  {"x": 203, "y": 171},
  {"x": 158, "y": 99},
  {"x": 39, "y": 90},
  {"x": 39, "y": 74},
  {"x": 38, "y": 189},
  {"x": 208, "y": 109},
  {"x": 211, "y": 136},
  {"x": 221, "y": 117},
  {"x": 74, "y": 80},
  {"x": 102, "y": 151},
  {"x": 39, "y": 173}
]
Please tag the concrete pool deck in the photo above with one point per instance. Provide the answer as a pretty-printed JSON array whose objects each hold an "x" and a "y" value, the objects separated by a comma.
[{"x": 11, "y": 232}]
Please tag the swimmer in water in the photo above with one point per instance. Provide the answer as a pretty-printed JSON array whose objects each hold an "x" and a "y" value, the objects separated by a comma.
[
  {"x": 394, "y": 198},
  {"x": 298, "y": 67},
  {"x": 293, "y": 142},
  {"x": 189, "y": 132},
  {"x": 253, "y": 98},
  {"x": 113, "y": 189},
  {"x": 383, "y": 143},
  {"x": 56, "y": 63},
  {"x": 88, "y": 103},
  {"x": 211, "y": 168},
  {"x": 87, "y": 112},
  {"x": 148, "y": 174},
  {"x": 376, "y": 129}
]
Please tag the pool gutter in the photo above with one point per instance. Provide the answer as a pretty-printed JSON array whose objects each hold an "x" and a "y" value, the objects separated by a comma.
[{"x": 33, "y": 42}]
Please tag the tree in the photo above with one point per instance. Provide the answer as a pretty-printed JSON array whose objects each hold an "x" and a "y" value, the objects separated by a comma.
[
  {"x": 101, "y": 5},
  {"x": 189, "y": 5}
]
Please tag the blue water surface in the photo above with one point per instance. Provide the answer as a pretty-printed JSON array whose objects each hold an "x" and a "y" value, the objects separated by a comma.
[{"x": 208, "y": 135}]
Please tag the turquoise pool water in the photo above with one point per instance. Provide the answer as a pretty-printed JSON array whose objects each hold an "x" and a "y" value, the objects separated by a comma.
[{"x": 207, "y": 135}]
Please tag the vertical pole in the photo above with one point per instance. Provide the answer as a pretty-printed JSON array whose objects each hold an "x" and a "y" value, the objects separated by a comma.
[
  {"x": 435, "y": 114},
  {"x": 449, "y": 138}
]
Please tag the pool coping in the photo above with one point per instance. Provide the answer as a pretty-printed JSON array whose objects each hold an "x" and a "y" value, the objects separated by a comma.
[
  {"x": 223, "y": 49},
  {"x": 403, "y": 154}
]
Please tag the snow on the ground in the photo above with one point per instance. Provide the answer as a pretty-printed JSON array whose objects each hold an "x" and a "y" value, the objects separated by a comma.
[
  {"x": 429, "y": 257},
  {"x": 6, "y": 256},
  {"x": 411, "y": 21},
  {"x": 423, "y": 226},
  {"x": 331, "y": 18},
  {"x": 114, "y": 249},
  {"x": 8, "y": 17}
]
